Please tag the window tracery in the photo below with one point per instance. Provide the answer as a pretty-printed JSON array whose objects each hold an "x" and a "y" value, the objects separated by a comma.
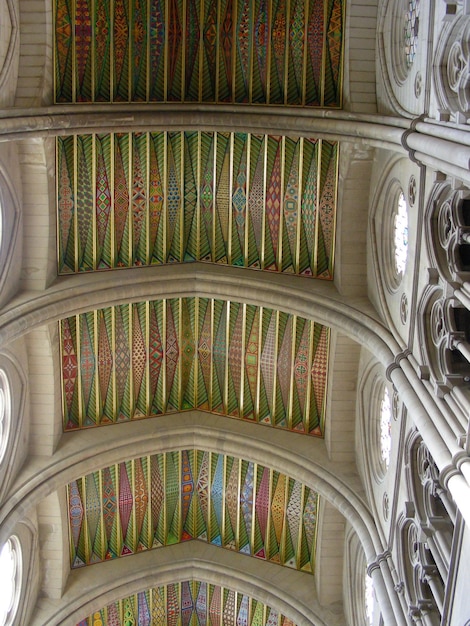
[
  {"x": 411, "y": 31},
  {"x": 393, "y": 233},
  {"x": 452, "y": 66},
  {"x": 444, "y": 320},
  {"x": 425, "y": 534}
]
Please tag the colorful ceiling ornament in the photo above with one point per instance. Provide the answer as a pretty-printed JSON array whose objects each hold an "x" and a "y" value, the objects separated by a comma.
[
  {"x": 168, "y": 498},
  {"x": 150, "y": 358},
  {"x": 227, "y": 51},
  {"x": 258, "y": 201},
  {"x": 190, "y": 603}
]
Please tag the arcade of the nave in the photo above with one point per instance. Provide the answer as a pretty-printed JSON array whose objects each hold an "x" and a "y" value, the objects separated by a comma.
[{"x": 234, "y": 312}]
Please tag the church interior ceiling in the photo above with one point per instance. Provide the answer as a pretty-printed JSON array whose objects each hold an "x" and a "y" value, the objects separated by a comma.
[
  {"x": 191, "y": 603},
  {"x": 221, "y": 51},
  {"x": 149, "y": 358},
  {"x": 185, "y": 495},
  {"x": 259, "y": 201}
]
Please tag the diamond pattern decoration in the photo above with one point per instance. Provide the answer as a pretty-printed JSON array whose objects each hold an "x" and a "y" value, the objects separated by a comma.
[
  {"x": 188, "y": 602},
  {"x": 228, "y": 358},
  {"x": 193, "y": 494},
  {"x": 187, "y": 51},
  {"x": 137, "y": 199}
]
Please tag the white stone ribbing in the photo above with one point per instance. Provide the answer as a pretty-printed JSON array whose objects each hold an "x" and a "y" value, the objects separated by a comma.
[{"x": 90, "y": 588}]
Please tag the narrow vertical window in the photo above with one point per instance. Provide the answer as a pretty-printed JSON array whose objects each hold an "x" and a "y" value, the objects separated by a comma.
[
  {"x": 411, "y": 31},
  {"x": 385, "y": 428},
  {"x": 5, "y": 410},
  {"x": 10, "y": 575},
  {"x": 401, "y": 235},
  {"x": 369, "y": 599}
]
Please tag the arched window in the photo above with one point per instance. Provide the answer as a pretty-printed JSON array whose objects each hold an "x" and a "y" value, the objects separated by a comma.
[
  {"x": 400, "y": 238},
  {"x": 5, "y": 411},
  {"x": 385, "y": 427},
  {"x": 10, "y": 578}
]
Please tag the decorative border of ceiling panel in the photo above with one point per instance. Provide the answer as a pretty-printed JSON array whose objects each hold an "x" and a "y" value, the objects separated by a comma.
[
  {"x": 191, "y": 603},
  {"x": 150, "y": 358},
  {"x": 168, "y": 498},
  {"x": 227, "y": 51},
  {"x": 258, "y": 201}
]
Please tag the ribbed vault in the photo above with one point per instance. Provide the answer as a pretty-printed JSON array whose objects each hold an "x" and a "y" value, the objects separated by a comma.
[{"x": 160, "y": 333}]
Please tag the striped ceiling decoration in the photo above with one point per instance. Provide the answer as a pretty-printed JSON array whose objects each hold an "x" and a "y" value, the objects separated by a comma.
[
  {"x": 171, "y": 497},
  {"x": 190, "y": 603},
  {"x": 258, "y": 201},
  {"x": 227, "y": 51},
  {"x": 136, "y": 360}
]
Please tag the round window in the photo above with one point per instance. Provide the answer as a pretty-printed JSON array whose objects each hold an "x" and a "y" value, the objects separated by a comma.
[
  {"x": 400, "y": 235},
  {"x": 5, "y": 410},
  {"x": 10, "y": 578}
]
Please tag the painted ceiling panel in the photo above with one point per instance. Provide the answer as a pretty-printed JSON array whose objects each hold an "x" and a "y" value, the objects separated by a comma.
[
  {"x": 171, "y": 497},
  {"x": 190, "y": 603},
  {"x": 227, "y": 51},
  {"x": 150, "y": 358},
  {"x": 258, "y": 201}
]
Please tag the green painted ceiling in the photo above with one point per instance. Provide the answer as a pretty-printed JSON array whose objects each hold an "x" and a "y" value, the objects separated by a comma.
[
  {"x": 265, "y": 202},
  {"x": 189, "y": 603},
  {"x": 150, "y": 358},
  {"x": 227, "y": 51},
  {"x": 168, "y": 498},
  {"x": 258, "y": 201}
]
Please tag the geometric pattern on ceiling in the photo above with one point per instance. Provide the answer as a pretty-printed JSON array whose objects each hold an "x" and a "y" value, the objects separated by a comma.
[
  {"x": 150, "y": 358},
  {"x": 189, "y": 603},
  {"x": 228, "y": 51},
  {"x": 167, "y": 498},
  {"x": 259, "y": 201}
]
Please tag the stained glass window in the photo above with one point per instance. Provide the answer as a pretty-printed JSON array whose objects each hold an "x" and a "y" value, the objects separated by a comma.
[
  {"x": 401, "y": 235},
  {"x": 4, "y": 412},
  {"x": 385, "y": 427},
  {"x": 411, "y": 31},
  {"x": 9, "y": 580}
]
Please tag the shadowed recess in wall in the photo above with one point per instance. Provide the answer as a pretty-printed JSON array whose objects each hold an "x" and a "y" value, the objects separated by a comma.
[
  {"x": 258, "y": 201},
  {"x": 192, "y": 603},
  {"x": 167, "y": 498},
  {"x": 151, "y": 358},
  {"x": 226, "y": 51}
]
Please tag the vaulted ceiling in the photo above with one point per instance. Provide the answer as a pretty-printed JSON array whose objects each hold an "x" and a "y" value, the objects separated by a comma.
[{"x": 145, "y": 198}]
